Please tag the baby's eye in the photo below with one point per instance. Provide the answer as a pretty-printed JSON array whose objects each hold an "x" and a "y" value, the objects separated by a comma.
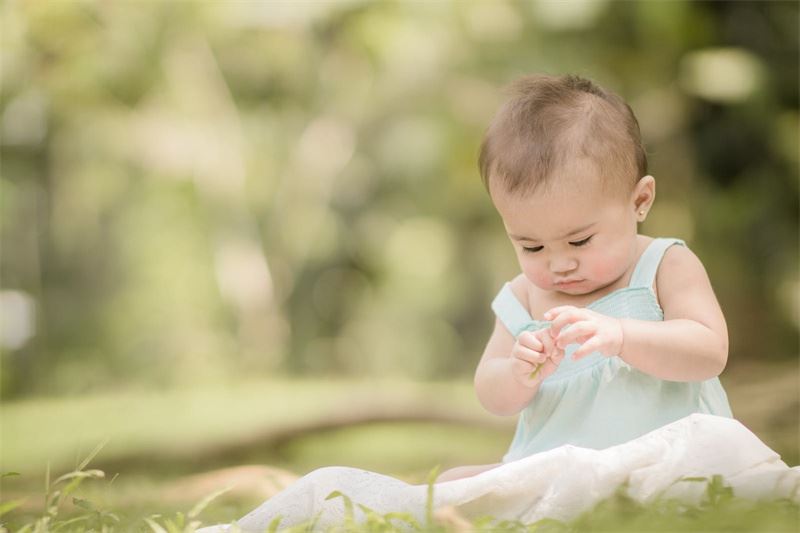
[
  {"x": 581, "y": 243},
  {"x": 531, "y": 250}
]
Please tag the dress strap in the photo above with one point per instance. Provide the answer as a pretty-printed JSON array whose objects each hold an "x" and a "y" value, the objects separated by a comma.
[
  {"x": 510, "y": 311},
  {"x": 645, "y": 272}
]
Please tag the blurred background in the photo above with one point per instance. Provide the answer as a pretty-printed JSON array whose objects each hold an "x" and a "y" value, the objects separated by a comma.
[{"x": 239, "y": 232}]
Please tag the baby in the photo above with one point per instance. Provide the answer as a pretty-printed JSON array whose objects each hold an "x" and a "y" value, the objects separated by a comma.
[{"x": 606, "y": 334}]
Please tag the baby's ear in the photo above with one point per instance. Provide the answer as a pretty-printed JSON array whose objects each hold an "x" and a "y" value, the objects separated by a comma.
[{"x": 644, "y": 193}]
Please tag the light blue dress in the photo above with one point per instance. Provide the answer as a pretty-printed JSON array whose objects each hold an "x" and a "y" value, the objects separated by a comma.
[{"x": 599, "y": 401}]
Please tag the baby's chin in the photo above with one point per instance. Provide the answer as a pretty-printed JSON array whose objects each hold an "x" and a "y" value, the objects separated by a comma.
[
  {"x": 581, "y": 288},
  {"x": 572, "y": 292}
]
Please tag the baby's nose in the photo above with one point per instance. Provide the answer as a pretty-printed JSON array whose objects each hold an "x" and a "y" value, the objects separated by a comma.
[{"x": 562, "y": 265}]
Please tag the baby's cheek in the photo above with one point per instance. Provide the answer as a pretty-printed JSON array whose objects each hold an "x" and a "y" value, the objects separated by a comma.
[
  {"x": 538, "y": 278},
  {"x": 608, "y": 270},
  {"x": 535, "y": 270},
  {"x": 602, "y": 272}
]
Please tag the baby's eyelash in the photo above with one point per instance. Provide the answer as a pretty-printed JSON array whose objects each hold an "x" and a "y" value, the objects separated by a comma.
[
  {"x": 581, "y": 243},
  {"x": 576, "y": 243}
]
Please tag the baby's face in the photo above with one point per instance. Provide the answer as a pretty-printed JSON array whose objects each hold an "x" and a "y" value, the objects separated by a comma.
[{"x": 576, "y": 234}]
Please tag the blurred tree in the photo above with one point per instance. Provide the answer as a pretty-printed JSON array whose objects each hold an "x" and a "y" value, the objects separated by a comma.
[{"x": 202, "y": 191}]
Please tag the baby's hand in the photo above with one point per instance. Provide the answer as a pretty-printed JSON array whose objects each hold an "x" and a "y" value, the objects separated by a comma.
[
  {"x": 593, "y": 331},
  {"x": 534, "y": 357}
]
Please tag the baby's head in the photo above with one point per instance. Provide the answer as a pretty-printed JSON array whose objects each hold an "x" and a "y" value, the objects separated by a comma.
[
  {"x": 560, "y": 155},
  {"x": 549, "y": 124}
]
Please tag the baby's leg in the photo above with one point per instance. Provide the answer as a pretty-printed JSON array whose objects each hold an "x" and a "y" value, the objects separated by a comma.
[
  {"x": 306, "y": 499},
  {"x": 464, "y": 471}
]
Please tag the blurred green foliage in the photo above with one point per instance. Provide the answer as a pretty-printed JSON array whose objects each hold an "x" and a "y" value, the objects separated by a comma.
[{"x": 196, "y": 190}]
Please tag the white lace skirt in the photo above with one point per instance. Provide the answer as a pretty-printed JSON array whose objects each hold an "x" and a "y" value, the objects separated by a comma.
[{"x": 560, "y": 483}]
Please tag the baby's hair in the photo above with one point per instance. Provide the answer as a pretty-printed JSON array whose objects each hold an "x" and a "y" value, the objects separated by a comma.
[{"x": 549, "y": 121}]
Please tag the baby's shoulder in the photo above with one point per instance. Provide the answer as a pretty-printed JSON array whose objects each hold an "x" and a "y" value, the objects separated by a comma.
[
  {"x": 679, "y": 259},
  {"x": 519, "y": 286},
  {"x": 529, "y": 297},
  {"x": 680, "y": 267}
]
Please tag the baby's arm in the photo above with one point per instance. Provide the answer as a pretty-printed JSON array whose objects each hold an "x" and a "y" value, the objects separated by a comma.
[
  {"x": 503, "y": 381},
  {"x": 495, "y": 385},
  {"x": 690, "y": 344}
]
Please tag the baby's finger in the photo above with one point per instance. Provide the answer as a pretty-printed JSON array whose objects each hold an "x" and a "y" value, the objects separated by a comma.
[
  {"x": 578, "y": 332},
  {"x": 523, "y": 367},
  {"x": 566, "y": 318},
  {"x": 553, "y": 312},
  {"x": 586, "y": 348},
  {"x": 530, "y": 340},
  {"x": 548, "y": 344},
  {"x": 526, "y": 354}
]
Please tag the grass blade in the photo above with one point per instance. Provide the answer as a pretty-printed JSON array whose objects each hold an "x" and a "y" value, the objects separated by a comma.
[
  {"x": 80, "y": 475},
  {"x": 198, "y": 508},
  {"x": 432, "y": 475},
  {"x": 273, "y": 526},
  {"x": 47, "y": 486},
  {"x": 59, "y": 525},
  {"x": 91, "y": 455},
  {"x": 155, "y": 526},
  {"x": 349, "y": 519}
]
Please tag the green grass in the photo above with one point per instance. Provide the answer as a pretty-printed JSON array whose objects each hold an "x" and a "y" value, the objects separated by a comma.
[{"x": 66, "y": 509}]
